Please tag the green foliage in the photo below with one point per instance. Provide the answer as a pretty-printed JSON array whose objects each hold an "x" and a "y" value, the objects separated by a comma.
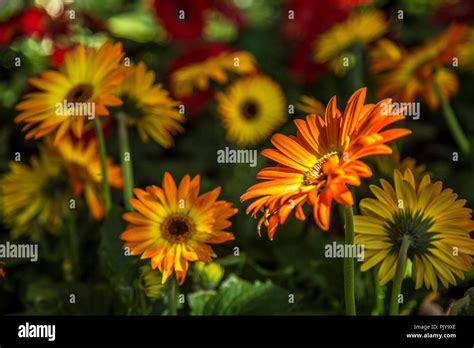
[{"x": 240, "y": 297}]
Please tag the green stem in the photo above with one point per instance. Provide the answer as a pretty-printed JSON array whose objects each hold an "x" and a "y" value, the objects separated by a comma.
[
  {"x": 126, "y": 160},
  {"x": 103, "y": 165},
  {"x": 452, "y": 121},
  {"x": 172, "y": 297},
  {"x": 357, "y": 73},
  {"x": 70, "y": 264},
  {"x": 399, "y": 274},
  {"x": 379, "y": 291},
  {"x": 349, "y": 292}
]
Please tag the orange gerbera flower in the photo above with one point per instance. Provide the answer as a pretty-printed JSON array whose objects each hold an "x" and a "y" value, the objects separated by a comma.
[
  {"x": 81, "y": 89},
  {"x": 82, "y": 163},
  {"x": 317, "y": 164},
  {"x": 406, "y": 76},
  {"x": 174, "y": 225}
]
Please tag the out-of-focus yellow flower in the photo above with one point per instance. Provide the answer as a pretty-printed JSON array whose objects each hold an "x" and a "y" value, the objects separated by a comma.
[
  {"x": 406, "y": 76},
  {"x": 209, "y": 274},
  {"x": 361, "y": 27},
  {"x": 388, "y": 164},
  {"x": 150, "y": 282},
  {"x": 466, "y": 53},
  {"x": 86, "y": 80},
  {"x": 82, "y": 164},
  {"x": 35, "y": 196},
  {"x": 185, "y": 80},
  {"x": 310, "y": 105},
  {"x": 251, "y": 109},
  {"x": 149, "y": 108},
  {"x": 38, "y": 196}
]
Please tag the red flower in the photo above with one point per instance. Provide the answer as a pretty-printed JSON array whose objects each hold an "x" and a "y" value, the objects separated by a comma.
[
  {"x": 33, "y": 21},
  {"x": 182, "y": 19},
  {"x": 302, "y": 66},
  {"x": 7, "y": 30},
  {"x": 459, "y": 11},
  {"x": 311, "y": 17}
]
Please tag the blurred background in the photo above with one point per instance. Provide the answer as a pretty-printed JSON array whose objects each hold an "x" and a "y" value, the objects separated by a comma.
[{"x": 252, "y": 275}]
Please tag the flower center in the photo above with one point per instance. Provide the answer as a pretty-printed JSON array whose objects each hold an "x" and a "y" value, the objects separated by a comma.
[
  {"x": 55, "y": 186},
  {"x": 177, "y": 228},
  {"x": 79, "y": 93},
  {"x": 250, "y": 109},
  {"x": 414, "y": 225},
  {"x": 316, "y": 173},
  {"x": 131, "y": 107}
]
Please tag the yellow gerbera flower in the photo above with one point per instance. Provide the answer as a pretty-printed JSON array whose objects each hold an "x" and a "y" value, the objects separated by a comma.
[
  {"x": 435, "y": 222},
  {"x": 35, "y": 196},
  {"x": 359, "y": 28},
  {"x": 406, "y": 76},
  {"x": 149, "y": 108},
  {"x": 251, "y": 109},
  {"x": 150, "y": 282},
  {"x": 82, "y": 163},
  {"x": 388, "y": 164},
  {"x": 174, "y": 225},
  {"x": 309, "y": 105},
  {"x": 81, "y": 89},
  {"x": 466, "y": 53},
  {"x": 38, "y": 195},
  {"x": 198, "y": 75}
]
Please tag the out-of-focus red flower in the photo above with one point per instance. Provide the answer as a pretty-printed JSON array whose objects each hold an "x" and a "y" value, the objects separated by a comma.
[
  {"x": 57, "y": 57},
  {"x": 195, "y": 102},
  {"x": 302, "y": 65},
  {"x": 33, "y": 21},
  {"x": 231, "y": 12},
  {"x": 459, "y": 11},
  {"x": 191, "y": 25},
  {"x": 311, "y": 17},
  {"x": 7, "y": 30},
  {"x": 185, "y": 19}
]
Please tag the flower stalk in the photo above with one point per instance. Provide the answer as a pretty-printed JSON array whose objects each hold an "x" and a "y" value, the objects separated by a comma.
[
  {"x": 452, "y": 121},
  {"x": 126, "y": 160},
  {"x": 399, "y": 274},
  {"x": 349, "y": 292},
  {"x": 103, "y": 165},
  {"x": 172, "y": 310}
]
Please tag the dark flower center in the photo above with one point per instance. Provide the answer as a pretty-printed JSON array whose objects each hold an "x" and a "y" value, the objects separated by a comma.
[
  {"x": 56, "y": 186},
  {"x": 177, "y": 228},
  {"x": 80, "y": 93},
  {"x": 414, "y": 225},
  {"x": 131, "y": 107},
  {"x": 250, "y": 110}
]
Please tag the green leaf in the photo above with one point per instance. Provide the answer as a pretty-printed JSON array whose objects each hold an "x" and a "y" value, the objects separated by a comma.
[
  {"x": 240, "y": 297},
  {"x": 465, "y": 305},
  {"x": 120, "y": 269}
]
